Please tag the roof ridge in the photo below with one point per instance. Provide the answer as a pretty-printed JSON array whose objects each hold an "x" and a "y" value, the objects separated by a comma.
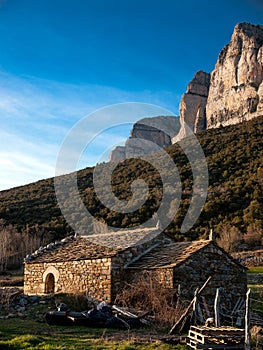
[{"x": 144, "y": 229}]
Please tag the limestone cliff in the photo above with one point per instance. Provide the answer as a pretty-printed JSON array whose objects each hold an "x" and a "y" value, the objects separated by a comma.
[
  {"x": 236, "y": 88},
  {"x": 193, "y": 105},
  {"x": 156, "y": 131},
  {"x": 232, "y": 93}
]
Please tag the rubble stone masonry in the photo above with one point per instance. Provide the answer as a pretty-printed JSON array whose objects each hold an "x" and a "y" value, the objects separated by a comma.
[{"x": 90, "y": 276}]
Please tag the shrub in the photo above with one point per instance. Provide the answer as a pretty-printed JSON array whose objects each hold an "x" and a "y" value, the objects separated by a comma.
[
  {"x": 147, "y": 294},
  {"x": 230, "y": 238}
]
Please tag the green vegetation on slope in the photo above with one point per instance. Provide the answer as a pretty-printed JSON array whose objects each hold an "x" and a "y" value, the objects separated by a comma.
[{"x": 234, "y": 156}]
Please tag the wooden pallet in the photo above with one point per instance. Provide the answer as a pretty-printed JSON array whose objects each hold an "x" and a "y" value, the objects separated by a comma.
[
  {"x": 195, "y": 345},
  {"x": 216, "y": 338}
]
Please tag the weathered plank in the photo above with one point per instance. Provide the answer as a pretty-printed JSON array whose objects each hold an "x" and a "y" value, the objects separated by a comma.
[
  {"x": 196, "y": 345},
  {"x": 247, "y": 321},
  {"x": 189, "y": 307},
  {"x": 216, "y": 308},
  {"x": 216, "y": 338}
]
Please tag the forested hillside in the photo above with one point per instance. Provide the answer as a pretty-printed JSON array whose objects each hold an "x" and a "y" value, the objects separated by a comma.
[{"x": 234, "y": 156}]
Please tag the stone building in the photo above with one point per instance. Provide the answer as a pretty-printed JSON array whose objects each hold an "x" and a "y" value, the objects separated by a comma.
[{"x": 99, "y": 265}]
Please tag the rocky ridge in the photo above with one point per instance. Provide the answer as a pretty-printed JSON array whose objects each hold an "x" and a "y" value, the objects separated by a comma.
[
  {"x": 193, "y": 105},
  {"x": 236, "y": 85},
  {"x": 233, "y": 92},
  {"x": 147, "y": 136},
  {"x": 230, "y": 94}
]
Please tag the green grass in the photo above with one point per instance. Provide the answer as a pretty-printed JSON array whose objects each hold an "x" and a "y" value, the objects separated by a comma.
[
  {"x": 256, "y": 269},
  {"x": 255, "y": 287},
  {"x": 256, "y": 298},
  {"x": 18, "y": 334}
]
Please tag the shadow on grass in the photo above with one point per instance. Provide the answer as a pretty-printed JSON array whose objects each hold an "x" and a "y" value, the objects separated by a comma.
[{"x": 26, "y": 334}]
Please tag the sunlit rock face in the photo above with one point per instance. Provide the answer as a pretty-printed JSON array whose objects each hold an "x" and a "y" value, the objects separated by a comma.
[
  {"x": 193, "y": 105},
  {"x": 230, "y": 94},
  {"x": 147, "y": 136},
  {"x": 236, "y": 88}
]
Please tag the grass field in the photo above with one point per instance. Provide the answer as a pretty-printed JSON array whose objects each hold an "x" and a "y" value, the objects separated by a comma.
[
  {"x": 256, "y": 269},
  {"x": 33, "y": 334},
  {"x": 20, "y": 334}
]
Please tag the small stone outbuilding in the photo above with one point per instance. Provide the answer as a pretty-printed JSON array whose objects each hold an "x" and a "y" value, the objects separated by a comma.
[{"x": 98, "y": 265}]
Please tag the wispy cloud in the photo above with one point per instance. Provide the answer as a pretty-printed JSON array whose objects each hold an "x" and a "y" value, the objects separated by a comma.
[{"x": 37, "y": 114}]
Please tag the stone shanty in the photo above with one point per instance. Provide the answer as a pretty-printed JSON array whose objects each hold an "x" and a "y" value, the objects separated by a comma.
[{"x": 99, "y": 265}]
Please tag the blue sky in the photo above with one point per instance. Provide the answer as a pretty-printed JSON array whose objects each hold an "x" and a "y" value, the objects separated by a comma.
[{"x": 62, "y": 59}]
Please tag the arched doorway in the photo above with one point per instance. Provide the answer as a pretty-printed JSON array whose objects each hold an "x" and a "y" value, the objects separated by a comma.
[
  {"x": 50, "y": 283},
  {"x": 50, "y": 280}
]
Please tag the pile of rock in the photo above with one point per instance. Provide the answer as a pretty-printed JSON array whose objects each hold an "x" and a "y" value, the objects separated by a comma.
[
  {"x": 13, "y": 303},
  {"x": 250, "y": 258},
  {"x": 255, "y": 278}
]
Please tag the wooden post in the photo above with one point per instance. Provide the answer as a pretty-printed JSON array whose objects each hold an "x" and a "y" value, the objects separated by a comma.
[
  {"x": 179, "y": 292},
  {"x": 194, "y": 315},
  {"x": 189, "y": 306},
  {"x": 195, "y": 302},
  {"x": 216, "y": 308},
  {"x": 247, "y": 321},
  {"x": 197, "y": 312},
  {"x": 178, "y": 301}
]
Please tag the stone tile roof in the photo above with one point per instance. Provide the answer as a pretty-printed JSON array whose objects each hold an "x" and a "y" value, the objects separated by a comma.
[
  {"x": 77, "y": 249},
  {"x": 169, "y": 255},
  {"x": 92, "y": 246},
  {"x": 124, "y": 239}
]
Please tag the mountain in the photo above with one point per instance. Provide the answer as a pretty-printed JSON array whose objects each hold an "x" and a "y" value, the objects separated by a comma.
[
  {"x": 233, "y": 92},
  {"x": 230, "y": 94},
  {"x": 224, "y": 109},
  {"x": 236, "y": 85},
  {"x": 147, "y": 129},
  {"x": 193, "y": 105},
  {"x": 234, "y": 155}
]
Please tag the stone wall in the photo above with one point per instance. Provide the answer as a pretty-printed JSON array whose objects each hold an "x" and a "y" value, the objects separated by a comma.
[
  {"x": 255, "y": 278},
  {"x": 250, "y": 258},
  {"x": 90, "y": 276},
  {"x": 118, "y": 272},
  {"x": 99, "y": 278},
  {"x": 102, "y": 278},
  {"x": 211, "y": 261},
  {"x": 193, "y": 272},
  {"x": 163, "y": 276}
]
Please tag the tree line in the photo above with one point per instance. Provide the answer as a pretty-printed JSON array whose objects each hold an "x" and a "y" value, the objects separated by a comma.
[{"x": 234, "y": 156}]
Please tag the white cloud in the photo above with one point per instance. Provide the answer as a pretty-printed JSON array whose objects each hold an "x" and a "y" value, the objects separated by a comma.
[
  {"x": 22, "y": 162},
  {"x": 17, "y": 169},
  {"x": 37, "y": 114}
]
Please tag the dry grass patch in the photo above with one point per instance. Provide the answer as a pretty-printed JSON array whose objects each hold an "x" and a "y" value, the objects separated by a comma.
[{"x": 148, "y": 295}]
